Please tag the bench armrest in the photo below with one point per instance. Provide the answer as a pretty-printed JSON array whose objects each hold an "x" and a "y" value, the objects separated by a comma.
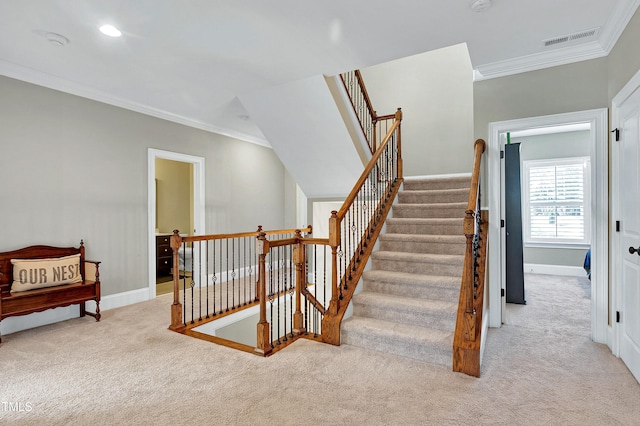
[{"x": 92, "y": 273}]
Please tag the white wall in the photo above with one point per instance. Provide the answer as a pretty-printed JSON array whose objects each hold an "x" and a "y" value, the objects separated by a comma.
[{"x": 435, "y": 92}]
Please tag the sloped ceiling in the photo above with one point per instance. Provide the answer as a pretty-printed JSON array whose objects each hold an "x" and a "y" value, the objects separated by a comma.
[{"x": 189, "y": 61}]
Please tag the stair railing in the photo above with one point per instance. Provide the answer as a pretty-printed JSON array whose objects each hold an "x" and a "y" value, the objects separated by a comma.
[
  {"x": 302, "y": 285},
  {"x": 374, "y": 127},
  {"x": 216, "y": 275},
  {"x": 328, "y": 270},
  {"x": 468, "y": 332},
  {"x": 354, "y": 229}
]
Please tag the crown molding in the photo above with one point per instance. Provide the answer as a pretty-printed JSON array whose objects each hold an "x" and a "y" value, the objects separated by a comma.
[
  {"x": 32, "y": 76},
  {"x": 607, "y": 38}
]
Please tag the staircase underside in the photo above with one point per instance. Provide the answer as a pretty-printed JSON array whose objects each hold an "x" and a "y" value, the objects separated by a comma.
[{"x": 409, "y": 301}]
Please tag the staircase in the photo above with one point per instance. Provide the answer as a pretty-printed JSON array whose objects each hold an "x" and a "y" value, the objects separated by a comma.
[{"x": 410, "y": 297}]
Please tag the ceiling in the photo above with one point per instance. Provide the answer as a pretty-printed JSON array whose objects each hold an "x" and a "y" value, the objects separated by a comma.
[{"x": 189, "y": 61}]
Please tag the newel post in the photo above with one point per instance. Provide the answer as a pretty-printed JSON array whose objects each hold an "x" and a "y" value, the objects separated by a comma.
[
  {"x": 299, "y": 257},
  {"x": 263, "y": 344},
  {"x": 176, "y": 308},
  {"x": 334, "y": 242},
  {"x": 399, "y": 143},
  {"x": 331, "y": 320}
]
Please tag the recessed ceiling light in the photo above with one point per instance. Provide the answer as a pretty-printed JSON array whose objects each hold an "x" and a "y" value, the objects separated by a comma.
[{"x": 110, "y": 30}]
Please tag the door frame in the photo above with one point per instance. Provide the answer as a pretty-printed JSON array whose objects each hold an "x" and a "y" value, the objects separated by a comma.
[
  {"x": 616, "y": 259},
  {"x": 598, "y": 118},
  {"x": 198, "y": 202}
]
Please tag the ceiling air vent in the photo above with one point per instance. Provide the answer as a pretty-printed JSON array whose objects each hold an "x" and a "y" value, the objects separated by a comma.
[{"x": 570, "y": 37}]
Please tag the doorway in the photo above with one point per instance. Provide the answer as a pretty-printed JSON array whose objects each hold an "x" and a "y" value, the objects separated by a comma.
[
  {"x": 158, "y": 223},
  {"x": 597, "y": 121},
  {"x": 625, "y": 242}
]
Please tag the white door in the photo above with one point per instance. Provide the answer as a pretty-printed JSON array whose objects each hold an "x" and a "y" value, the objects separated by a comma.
[{"x": 629, "y": 200}]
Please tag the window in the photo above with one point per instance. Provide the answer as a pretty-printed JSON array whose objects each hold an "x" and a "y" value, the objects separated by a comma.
[{"x": 556, "y": 202}]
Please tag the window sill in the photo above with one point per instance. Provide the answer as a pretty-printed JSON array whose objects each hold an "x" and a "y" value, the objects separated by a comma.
[{"x": 563, "y": 245}]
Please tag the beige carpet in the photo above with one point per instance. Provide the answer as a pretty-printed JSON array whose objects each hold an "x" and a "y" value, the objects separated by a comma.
[{"x": 129, "y": 369}]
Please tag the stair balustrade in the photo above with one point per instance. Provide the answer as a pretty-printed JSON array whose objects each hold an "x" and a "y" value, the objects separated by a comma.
[
  {"x": 374, "y": 127},
  {"x": 468, "y": 332},
  {"x": 302, "y": 285}
]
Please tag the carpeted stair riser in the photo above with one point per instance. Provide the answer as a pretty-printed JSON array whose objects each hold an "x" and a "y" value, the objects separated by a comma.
[
  {"x": 437, "y": 183},
  {"x": 425, "y": 226},
  {"x": 417, "y": 286},
  {"x": 434, "y": 196},
  {"x": 436, "y": 210},
  {"x": 433, "y": 244},
  {"x": 409, "y": 341}
]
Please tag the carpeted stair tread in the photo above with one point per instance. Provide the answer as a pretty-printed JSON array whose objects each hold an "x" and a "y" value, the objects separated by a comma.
[
  {"x": 411, "y": 341},
  {"x": 412, "y": 285},
  {"x": 453, "y": 259},
  {"x": 433, "y": 226},
  {"x": 423, "y": 243},
  {"x": 434, "y": 196},
  {"x": 432, "y": 210},
  {"x": 407, "y": 310},
  {"x": 437, "y": 182}
]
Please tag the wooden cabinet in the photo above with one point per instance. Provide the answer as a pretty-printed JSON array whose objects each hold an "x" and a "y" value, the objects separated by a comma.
[{"x": 164, "y": 258}]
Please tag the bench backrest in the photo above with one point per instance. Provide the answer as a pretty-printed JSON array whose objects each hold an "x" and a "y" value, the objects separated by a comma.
[{"x": 33, "y": 252}]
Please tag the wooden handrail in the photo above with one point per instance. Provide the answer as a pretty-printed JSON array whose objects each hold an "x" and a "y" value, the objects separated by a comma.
[
  {"x": 209, "y": 237},
  {"x": 372, "y": 163},
  {"x": 468, "y": 331},
  {"x": 366, "y": 95},
  {"x": 478, "y": 148}
]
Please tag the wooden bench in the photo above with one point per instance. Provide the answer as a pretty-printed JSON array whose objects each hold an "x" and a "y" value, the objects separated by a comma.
[{"x": 40, "y": 299}]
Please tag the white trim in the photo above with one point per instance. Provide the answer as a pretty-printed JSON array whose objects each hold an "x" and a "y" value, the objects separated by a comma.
[
  {"x": 198, "y": 203},
  {"x": 620, "y": 17},
  {"x": 564, "y": 270},
  {"x": 616, "y": 260},
  {"x": 599, "y": 208},
  {"x": 53, "y": 82},
  {"x": 119, "y": 300},
  {"x": 24, "y": 322}
]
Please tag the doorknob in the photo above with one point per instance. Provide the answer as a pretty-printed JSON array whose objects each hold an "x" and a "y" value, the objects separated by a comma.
[{"x": 634, "y": 250}]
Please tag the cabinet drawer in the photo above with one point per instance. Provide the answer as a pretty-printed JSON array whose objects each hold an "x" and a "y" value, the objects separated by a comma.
[
  {"x": 163, "y": 240},
  {"x": 164, "y": 251},
  {"x": 164, "y": 263}
]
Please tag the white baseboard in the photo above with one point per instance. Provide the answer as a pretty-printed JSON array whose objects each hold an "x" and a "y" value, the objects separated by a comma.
[
  {"x": 50, "y": 316},
  {"x": 569, "y": 271}
]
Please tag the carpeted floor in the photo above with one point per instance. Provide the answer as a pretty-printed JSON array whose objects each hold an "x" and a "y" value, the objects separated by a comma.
[{"x": 539, "y": 369}]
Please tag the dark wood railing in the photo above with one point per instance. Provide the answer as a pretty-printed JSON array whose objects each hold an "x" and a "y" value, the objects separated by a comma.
[
  {"x": 374, "y": 127},
  {"x": 468, "y": 332}
]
